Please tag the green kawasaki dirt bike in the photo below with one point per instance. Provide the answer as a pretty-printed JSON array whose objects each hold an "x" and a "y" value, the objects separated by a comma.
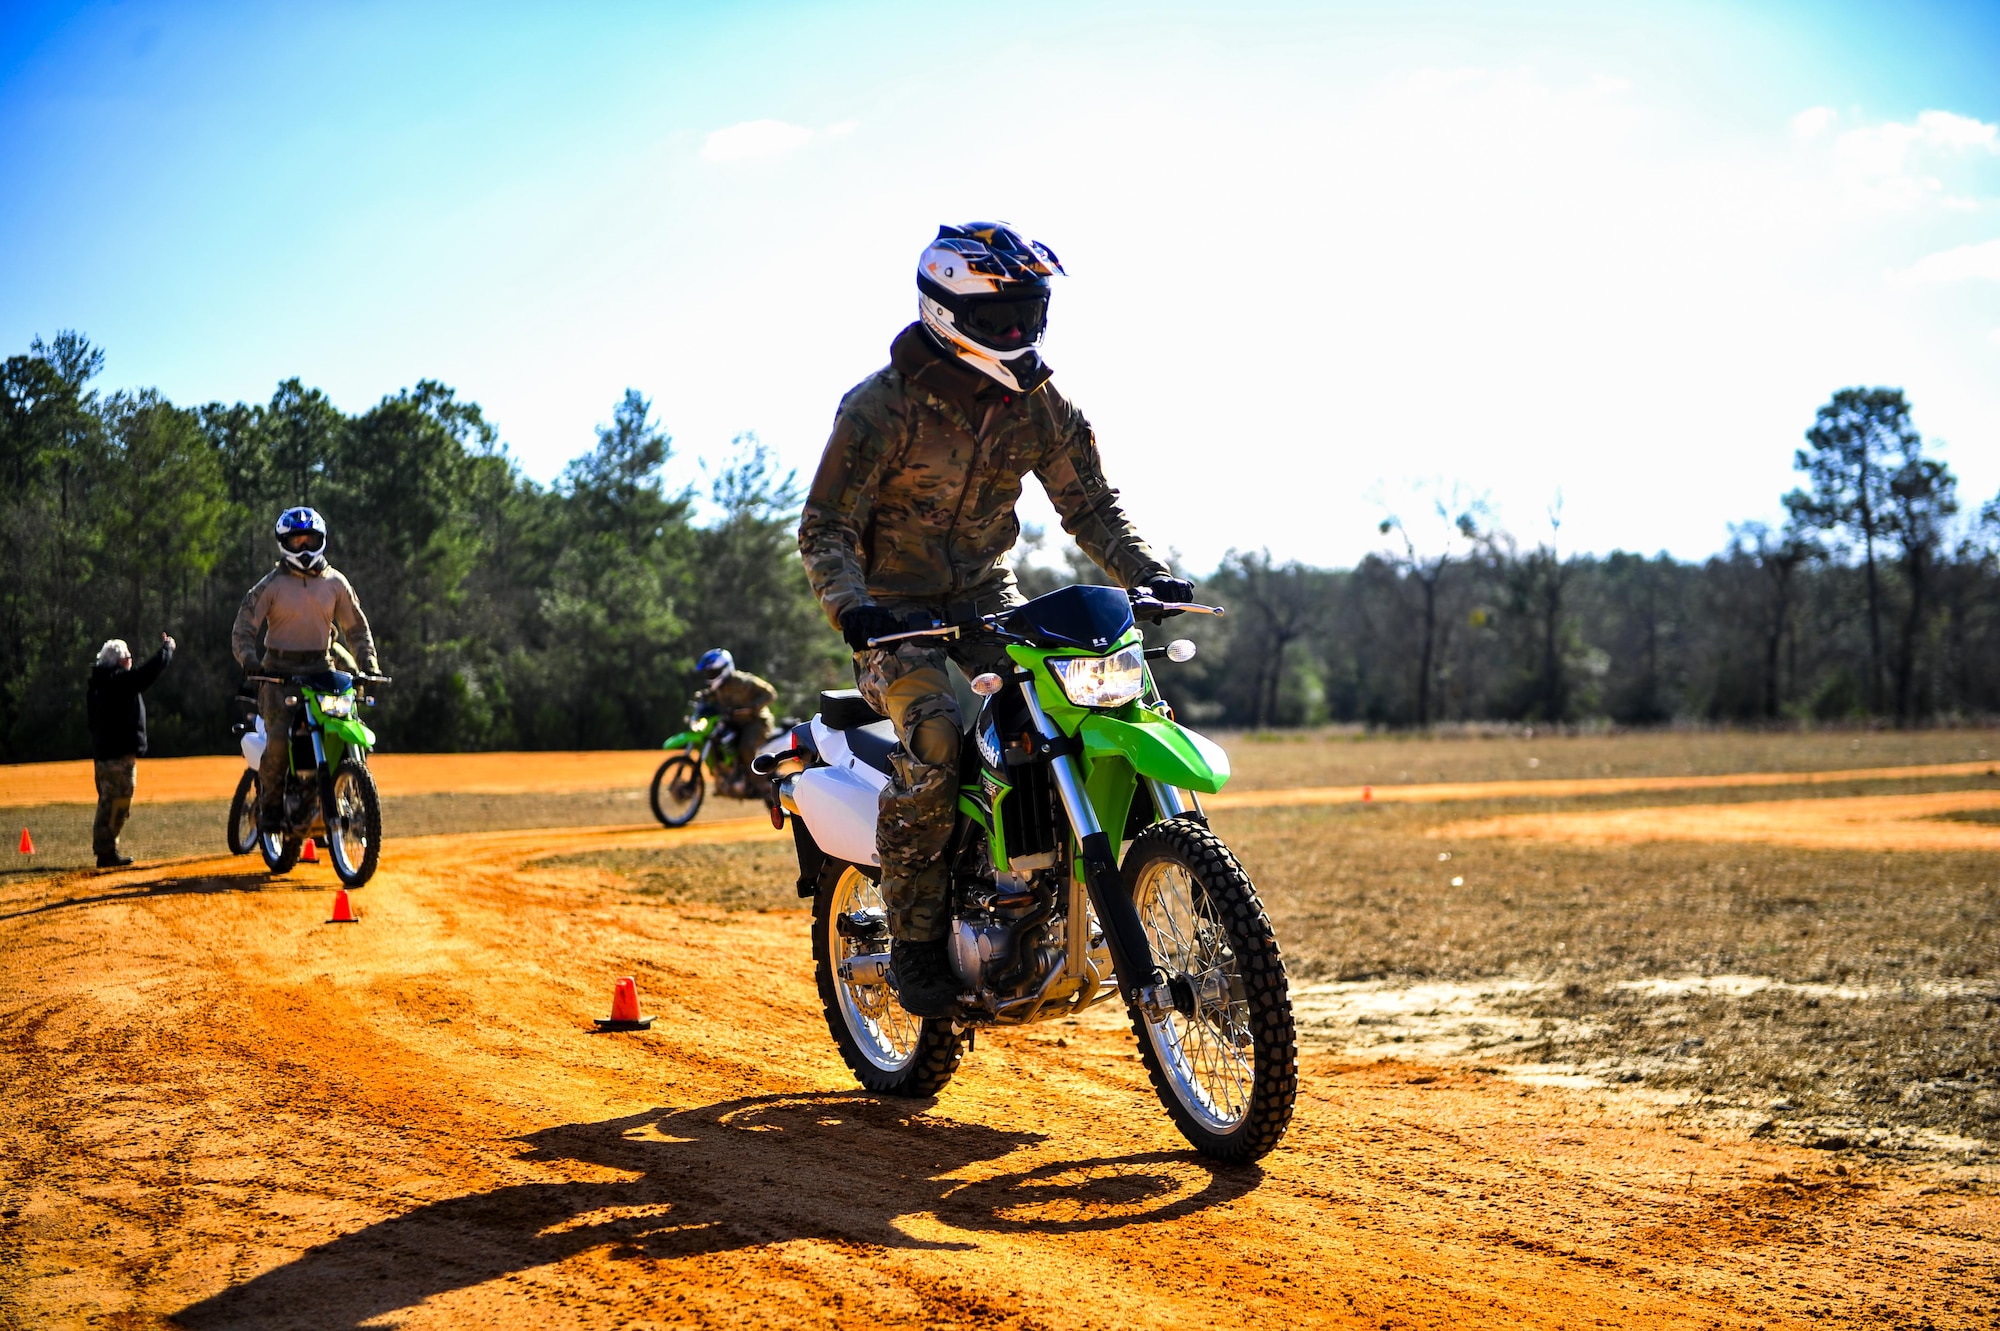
[
  {"x": 329, "y": 792},
  {"x": 703, "y": 753},
  {"x": 1071, "y": 755}
]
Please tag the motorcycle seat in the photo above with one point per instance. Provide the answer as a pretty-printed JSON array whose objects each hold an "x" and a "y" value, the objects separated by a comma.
[
  {"x": 844, "y": 709},
  {"x": 872, "y": 744}
]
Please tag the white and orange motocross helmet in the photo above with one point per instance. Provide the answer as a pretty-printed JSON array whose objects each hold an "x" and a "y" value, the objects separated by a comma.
[{"x": 983, "y": 292}]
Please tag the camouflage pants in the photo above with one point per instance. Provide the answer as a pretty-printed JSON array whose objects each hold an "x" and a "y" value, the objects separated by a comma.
[
  {"x": 117, "y": 779},
  {"x": 913, "y": 822},
  {"x": 278, "y": 717}
]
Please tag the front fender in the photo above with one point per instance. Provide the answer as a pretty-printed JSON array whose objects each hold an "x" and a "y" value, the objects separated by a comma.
[
  {"x": 1156, "y": 747},
  {"x": 349, "y": 731},
  {"x": 687, "y": 739}
]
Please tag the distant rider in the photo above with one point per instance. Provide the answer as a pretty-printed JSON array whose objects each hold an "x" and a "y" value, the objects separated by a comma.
[
  {"x": 296, "y": 607},
  {"x": 743, "y": 700},
  {"x": 911, "y": 513}
]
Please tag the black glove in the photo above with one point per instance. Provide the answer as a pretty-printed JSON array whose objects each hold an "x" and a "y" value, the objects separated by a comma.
[
  {"x": 859, "y": 623},
  {"x": 1170, "y": 590}
]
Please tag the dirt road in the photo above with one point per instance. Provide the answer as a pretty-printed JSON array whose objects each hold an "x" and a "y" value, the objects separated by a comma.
[{"x": 222, "y": 1112}]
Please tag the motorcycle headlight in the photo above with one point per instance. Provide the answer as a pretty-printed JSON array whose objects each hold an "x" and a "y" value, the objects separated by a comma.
[
  {"x": 1102, "y": 681},
  {"x": 342, "y": 706}
]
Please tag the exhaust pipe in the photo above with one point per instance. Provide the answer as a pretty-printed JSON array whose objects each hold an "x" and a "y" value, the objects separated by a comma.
[{"x": 867, "y": 968}]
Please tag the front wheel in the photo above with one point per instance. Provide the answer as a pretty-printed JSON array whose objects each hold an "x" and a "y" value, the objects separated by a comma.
[
  {"x": 677, "y": 790},
  {"x": 354, "y": 824},
  {"x": 890, "y": 1051},
  {"x": 1223, "y": 1057},
  {"x": 243, "y": 815}
]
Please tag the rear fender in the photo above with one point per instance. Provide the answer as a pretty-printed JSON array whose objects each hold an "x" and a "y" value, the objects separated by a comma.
[{"x": 1156, "y": 747}]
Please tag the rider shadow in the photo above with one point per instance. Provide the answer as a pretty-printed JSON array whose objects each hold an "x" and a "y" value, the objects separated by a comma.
[
  {"x": 738, "y": 1174},
  {"x": 247, "y": 880}
]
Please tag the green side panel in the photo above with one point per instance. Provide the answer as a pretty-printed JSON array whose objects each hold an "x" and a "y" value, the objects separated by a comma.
[
  {"x": 969, "y": 805},
  {"x": 1155, "y": 747},
  {"x": 996, "y": 827}
]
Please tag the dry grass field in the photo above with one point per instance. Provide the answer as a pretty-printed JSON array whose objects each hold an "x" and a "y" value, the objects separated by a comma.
[{"x": 1574, "y": 1052}]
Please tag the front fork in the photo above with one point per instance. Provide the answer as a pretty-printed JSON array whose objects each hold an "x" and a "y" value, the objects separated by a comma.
[{"x": 1131, "y": 956}]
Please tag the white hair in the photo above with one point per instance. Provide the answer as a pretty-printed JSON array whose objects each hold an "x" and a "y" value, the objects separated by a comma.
[{"x": 113, "y": 651}]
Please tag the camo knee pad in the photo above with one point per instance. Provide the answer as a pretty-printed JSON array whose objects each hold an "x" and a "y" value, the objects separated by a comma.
[{"x": 913, "y": 823}]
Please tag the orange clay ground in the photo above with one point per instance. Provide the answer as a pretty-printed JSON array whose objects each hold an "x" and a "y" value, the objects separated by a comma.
[{"x": 221, "y": 1112}]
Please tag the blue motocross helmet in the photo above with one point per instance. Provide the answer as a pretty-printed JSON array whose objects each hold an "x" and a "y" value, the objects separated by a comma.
[
  {"x": 716, "y": 665},
  {"x": 301, "y": 534}
]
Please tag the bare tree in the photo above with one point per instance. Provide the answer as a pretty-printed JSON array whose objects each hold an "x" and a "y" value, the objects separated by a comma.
[{"x": 1447, "y": 532}]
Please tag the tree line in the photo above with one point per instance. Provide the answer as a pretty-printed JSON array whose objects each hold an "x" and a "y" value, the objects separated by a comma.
[
  {"x": 521, "y": 616},
  {"x": 512, "y": 615},
  {"x": 1877, "y": 600}
]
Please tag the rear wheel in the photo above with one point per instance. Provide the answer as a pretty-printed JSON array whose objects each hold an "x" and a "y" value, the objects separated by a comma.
[
  {"x": 354, "y": 824},
  {"x": 1223, "y": 1057},
  {"x": 889, "y": 1051},
  {"x": 281, "y": 850},
  {"x": 677, "y": 790},
  {"x": 243, "y": 815}
]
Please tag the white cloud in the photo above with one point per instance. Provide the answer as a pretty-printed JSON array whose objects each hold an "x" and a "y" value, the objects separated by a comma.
[
  {"x": 1901, "y": 164},
  {"x": 1965, "y": 263},
  {"x": 752, "y": 139},
  {"x": 1814, "y": 121}
]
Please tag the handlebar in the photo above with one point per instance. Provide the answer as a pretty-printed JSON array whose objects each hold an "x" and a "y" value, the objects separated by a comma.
[
  {"x": 1143, "y": 607},
  {"x": 280, "y": 679}
]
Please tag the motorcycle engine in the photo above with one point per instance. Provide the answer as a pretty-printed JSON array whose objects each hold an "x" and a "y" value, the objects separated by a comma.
[{"x": 995, "y": 919}]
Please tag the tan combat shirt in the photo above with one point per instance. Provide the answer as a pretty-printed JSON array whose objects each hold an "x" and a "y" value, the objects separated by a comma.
[{"x": 298, "y": 613}]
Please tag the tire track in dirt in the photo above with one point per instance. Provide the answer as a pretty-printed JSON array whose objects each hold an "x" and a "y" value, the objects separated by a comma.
[{"x": 224, "y": 1113}]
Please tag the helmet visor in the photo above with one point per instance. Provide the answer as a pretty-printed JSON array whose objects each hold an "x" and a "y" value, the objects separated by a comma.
[
  {"x": 1006, "y": 322},
  {"x": 304, "y": 541}
]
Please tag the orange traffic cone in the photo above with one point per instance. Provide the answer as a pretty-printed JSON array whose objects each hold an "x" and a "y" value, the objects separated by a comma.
[
  {"x": 343, "y": 909},
  {"x": 27, "y": 843},
  {"x": 308, "y": 853},
  {"x": 624, "y": 1009},
  {"x": 1367, "y": 797}
]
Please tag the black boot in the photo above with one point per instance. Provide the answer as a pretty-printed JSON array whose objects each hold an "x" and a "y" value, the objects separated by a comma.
[
  {"x": 113, "y": 860},
  {"x": 926, "y": 984}
]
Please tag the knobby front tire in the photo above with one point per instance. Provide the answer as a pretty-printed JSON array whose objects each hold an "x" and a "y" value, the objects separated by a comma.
[
  {"x": 678, "y": 788},
  {"x": 1224, "y": 1059},
  {"x": 354, "y": 824}
]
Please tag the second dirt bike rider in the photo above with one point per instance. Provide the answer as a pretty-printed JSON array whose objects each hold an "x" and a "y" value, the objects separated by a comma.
[
  {"x": 297, "y": 605},
  {"x": 911, "y": 513},
  {"x": 743, "y": 700}
]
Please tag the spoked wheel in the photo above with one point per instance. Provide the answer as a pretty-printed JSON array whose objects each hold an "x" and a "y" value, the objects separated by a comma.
[
  {"x": 890, "y": 1051},
  {"x": 677, "y": 790},
  {"x": 354, "y": 824},
  {"x": 243, "y": 815},
  {"x": 281, "y": 850},
  {"x": 1223, "y": 1058}
]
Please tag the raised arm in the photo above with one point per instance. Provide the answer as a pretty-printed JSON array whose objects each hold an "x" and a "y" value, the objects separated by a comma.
[{"x": 1073, "y": 475}]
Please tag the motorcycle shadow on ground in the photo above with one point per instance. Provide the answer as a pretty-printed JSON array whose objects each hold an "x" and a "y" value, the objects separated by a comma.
[
  {"x": 850, "y": 1168},
  {"x": 128, "y": 888}
]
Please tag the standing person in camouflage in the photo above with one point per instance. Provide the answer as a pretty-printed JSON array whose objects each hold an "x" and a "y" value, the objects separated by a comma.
[
  {"x": 910, "y": 515},
  {"x": 744, "y": 701}
]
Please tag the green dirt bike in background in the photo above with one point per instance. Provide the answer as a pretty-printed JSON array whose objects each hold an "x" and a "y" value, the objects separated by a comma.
[
  {"x": 705, "y": 753},
  {"x": 329, "y": 792}
]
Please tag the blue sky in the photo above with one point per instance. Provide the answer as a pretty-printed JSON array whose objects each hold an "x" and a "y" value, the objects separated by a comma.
[{"x": 1325, "y": 259}]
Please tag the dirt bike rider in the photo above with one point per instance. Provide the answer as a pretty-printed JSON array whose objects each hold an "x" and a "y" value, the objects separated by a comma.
[
  {"x": 743, "y": 701},
  {"x": 911, "y": 514},
  {"x": 297, "y": 606}
]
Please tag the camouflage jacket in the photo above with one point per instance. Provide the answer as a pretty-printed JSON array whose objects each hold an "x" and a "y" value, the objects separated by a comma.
[
  {"x": 914, "y": 498},
  {"x": 740, "y": 692}
]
